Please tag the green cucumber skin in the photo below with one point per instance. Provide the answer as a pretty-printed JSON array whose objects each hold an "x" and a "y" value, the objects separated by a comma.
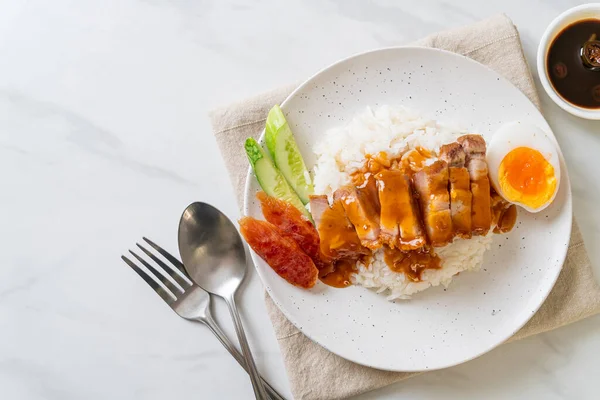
[
  {"x": 253, "y": 151},
  {"x": 281, "y": 144},
  {"x": 270, "y": 178},
  {"x": 275, "y": 120}
]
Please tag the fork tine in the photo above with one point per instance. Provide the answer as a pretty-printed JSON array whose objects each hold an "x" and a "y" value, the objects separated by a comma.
[
  {"x": 168, "y": 269},
  {"x": 168, "y": 256},
  {"x": 165, "y": 295},
  {"x": 174, "y": 289}
]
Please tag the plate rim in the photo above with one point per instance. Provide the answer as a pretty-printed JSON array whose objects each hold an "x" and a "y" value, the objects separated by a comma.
[{"x": 565, "y": 180}]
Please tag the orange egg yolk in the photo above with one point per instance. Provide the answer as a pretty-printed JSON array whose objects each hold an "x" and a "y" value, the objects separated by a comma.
[{"x": 526, "y": 177}]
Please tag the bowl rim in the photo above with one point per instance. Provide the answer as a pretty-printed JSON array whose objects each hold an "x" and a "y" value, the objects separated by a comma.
[{"x": 548, "y": 36}]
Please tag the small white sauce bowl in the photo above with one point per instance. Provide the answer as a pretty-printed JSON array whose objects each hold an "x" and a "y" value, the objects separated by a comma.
[{"x": 570, "y": 16}]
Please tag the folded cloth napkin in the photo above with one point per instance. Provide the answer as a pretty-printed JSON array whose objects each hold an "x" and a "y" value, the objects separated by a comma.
[{"x": 314, "y": 372}]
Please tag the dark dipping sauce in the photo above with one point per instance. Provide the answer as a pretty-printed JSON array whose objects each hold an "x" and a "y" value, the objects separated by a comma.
[{"x": 572, "y": 79}]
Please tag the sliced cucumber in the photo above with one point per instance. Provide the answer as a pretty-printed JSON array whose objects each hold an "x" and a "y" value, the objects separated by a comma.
[
  {"x": 285, "y": 153},
  {"x": 269, "y": 177}
]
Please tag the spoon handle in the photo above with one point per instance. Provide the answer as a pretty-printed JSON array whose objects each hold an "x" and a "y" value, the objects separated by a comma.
[
  {"x": 259, "y": 390},
  {"x": 212, "y": 325}
]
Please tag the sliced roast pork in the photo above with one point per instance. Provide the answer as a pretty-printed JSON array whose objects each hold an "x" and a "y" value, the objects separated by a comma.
[
  {"x": 361, "y": 212},
  {"x": 481, "y": 216},
  {"x": 460, "y": 188},
  {"x": 337, "y": 235},
  {"x": 431, "y": 186},
  {"x": 400, "y": 222}
]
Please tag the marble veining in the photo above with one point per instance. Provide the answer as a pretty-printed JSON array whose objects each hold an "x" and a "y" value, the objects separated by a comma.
[{"x": 104, "y": 138}]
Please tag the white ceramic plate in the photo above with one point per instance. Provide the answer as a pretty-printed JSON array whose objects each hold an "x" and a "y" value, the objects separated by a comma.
[{"x": 438, "y": 328}]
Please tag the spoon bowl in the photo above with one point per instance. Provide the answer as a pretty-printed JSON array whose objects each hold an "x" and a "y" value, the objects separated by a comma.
[
  {"x": 211, "y": 249},
  {"x": 214, "y": 257}
]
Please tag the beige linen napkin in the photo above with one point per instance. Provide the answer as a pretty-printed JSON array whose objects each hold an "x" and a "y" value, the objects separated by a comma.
[{"x": 314, "y": 372}]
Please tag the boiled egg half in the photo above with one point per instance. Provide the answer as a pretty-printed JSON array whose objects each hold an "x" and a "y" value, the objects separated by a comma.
[{"x": 524, "y": 166}]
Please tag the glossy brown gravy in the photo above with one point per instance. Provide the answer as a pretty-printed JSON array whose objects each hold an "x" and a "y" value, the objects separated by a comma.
[
  {"x": 338, "y": 240},
  {"x": 504, "y": 214},
  {"x": 340, "y": 277},
  {"x": 414, "y": 160},
  {"x": 410, "y": 162},
  {"x": 571, "y": 78},
  {"x": 506, "y": 218},
  {"x": 411, "y": 263}
]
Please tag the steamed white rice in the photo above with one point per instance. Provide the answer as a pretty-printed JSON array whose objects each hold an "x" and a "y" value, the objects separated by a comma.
[{"x": 393, "y": 130}]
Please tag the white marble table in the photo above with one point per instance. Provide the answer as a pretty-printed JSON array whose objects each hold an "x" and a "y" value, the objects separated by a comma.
[{"x": 104, "y": 137}]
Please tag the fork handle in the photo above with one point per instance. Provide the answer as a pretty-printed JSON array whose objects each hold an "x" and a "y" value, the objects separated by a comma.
[{"x": 216, "y": 330}]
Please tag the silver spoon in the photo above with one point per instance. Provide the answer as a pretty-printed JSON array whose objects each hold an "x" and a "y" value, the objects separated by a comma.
[{"x": 213, "y": 255}]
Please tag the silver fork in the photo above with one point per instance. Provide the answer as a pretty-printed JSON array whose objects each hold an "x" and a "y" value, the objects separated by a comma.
[{"x": 187, "y": 299}]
